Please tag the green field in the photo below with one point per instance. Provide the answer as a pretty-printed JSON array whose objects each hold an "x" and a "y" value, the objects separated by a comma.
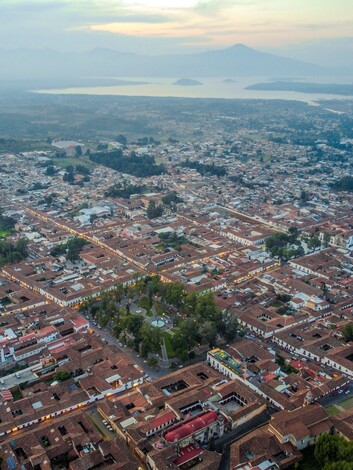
[
  {"x": 63, "y": 162},
  {"x": 339, "y": 407},
  {"x": 333, "y": 410}
]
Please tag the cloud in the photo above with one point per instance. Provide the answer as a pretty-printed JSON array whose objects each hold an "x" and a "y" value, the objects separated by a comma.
[{"x": 169, "y": 25}]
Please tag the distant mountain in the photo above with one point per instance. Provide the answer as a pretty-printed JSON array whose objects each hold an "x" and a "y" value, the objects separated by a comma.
[{"x": 57, "y": 67}]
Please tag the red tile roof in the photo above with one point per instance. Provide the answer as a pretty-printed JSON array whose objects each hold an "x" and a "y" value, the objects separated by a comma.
[
  {"x": 191, "y": 426},
  {"x": 161, "y": 420},
  {"x": 186, "y": 454}
]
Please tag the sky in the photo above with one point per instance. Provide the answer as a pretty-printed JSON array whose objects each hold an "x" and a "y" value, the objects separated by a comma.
[{"x": 316, "y": 30}]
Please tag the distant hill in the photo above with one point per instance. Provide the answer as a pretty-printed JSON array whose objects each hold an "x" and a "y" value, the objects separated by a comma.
[
  {"x": 238, "y": 60},
  {"x": 187, "y": 82}
]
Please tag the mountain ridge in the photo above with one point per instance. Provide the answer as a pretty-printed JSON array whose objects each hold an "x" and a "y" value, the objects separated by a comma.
[{"x": 233, "y": 61}]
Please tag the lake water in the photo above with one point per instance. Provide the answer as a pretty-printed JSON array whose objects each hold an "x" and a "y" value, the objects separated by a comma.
[{"x": 210, "y": 88}]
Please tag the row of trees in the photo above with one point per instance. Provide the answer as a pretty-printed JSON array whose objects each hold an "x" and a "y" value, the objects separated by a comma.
[
  {"x": 204, "y": 169},
  {"x": 133, "y": 164}
]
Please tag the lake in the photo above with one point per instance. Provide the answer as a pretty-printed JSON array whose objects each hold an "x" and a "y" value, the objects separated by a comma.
[{"x": 210, "y": 88}]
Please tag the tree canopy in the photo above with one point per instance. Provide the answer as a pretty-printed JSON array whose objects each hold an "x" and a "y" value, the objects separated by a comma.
[
  {"x": 204, "y": 169},
  {"x": 133, "y": 164},
  {"x": 71, "y": 249},
  {"x": 13, "y": 252},
  {"x": 333, "y": 452},
  {"x": 343, "y": 184}
]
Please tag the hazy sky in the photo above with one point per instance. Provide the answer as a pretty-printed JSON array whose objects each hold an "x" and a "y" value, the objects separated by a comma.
[{"x": 317, "y": 29}]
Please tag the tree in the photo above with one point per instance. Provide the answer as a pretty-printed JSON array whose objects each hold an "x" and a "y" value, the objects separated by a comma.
[
  {"x": 153, "y": 210},
  {"x": 327, "y": 448},
  {"x": 71, "y": 249},
  {"x": 69, "y": 178},
  {"x": 150, "y": 297},
  {"x": 6, "y": 223},
  {"x": 78, "y": 150},
  {"x": 205, "y": 169},
  {"x": 303, "y": 196},
  {"x": 208, "y": 331},
  {"x": 121, "y": 139},
  {"x": 13, "y": 252},
  {"x": 61, "y": 375},
  {"x": 134, "y": 325},
  {"x": 189, "y": 330},
  {"x": 293, "y": 233},
  {"x": 50, "y": 171},
  {"x": 180, "y": 345},
  {"x": 171, "y": 198},
  {"x": 152, "y": 362},
  {"x": 348, "y": 332},
  {"x": 341, "y": 465},
  {"x": 230, "y": 327},
  {"x": 118, "y": 292},
  {"x": 313, "y": 243},
  {"x": 283, "y": 297},
  {"x": 173, "y": 293},
  {"x": 343, "y": 184},
  {"x": 276, "y": 243},
  {"x": 134, "y": 165},
  {"x": 327, "y": 238},
  {"x": 151, "y": 338}
]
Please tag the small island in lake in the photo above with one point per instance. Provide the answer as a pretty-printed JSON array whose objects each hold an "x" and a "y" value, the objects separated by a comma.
[
  {"x": 229, "y": 80},
  {"x": 187, "y": 82}
]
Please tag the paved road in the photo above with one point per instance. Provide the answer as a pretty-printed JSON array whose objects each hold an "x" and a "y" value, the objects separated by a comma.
[
  {"x": 97, "y": 420},
  {"x": 330, "y": 400}
]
